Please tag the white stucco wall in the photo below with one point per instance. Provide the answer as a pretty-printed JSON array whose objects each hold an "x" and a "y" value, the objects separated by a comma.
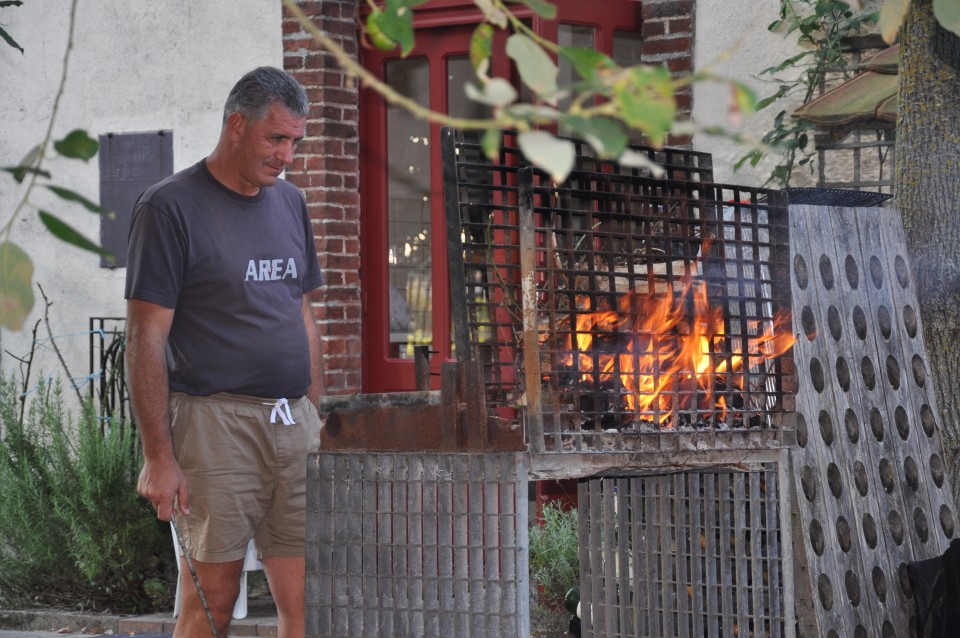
[
  {"x": 733, "y": 41},
  {"x": 136, "y": 66}
]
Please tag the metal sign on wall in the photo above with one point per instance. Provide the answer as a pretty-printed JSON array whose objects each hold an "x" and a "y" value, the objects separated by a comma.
[{"x": 129, "y": 164}]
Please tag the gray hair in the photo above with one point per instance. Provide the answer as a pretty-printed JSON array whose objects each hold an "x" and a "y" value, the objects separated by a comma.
[{"x": 253, "y": 94}]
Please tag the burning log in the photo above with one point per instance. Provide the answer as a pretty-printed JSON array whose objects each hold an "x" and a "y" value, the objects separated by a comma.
[{"x": 662, "y": 359}]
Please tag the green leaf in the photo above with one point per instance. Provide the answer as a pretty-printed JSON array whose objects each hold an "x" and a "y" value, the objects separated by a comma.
[
  {"x": 32, "y": 156},
  {"x": 542, "y": 8},
  {"x": 586, "y": 62},
  {"x": 892, "y": 14},
  {"x": 606, "y": 135},
  {"x": 531, "y": 112},
  {"x": 78, "y": 145},
  {"x": 947, "y": 13},
  {"x": 536, "y": 68},
  {"x": 646, "y": 102},
  {"x": 496, "y": 92},
  {"x": 19, "y": 172},
  {"x": 396, "y": 22},
  {"x": 71, "y": 196},
  {"x": 481, "y": 45},
  {"x": 744, "y": 98},
  {"x": 491, "y": 13},
  {"x": 635, "y": 159},
  {"x": 549, "y": 153},
  {"x": 16, "y": 286},
  {"x": 491, "y": 143},
  {"x": 9, "y": 40},
  {"x": 66, "y": 233},
  {"x": 375, "y": 34}
]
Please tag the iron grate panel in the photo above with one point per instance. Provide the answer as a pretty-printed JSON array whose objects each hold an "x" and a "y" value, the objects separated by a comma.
[
  {"x": 411, "y": 545},
  {"x": 686, "y": 554},
  {"x": 587, "y": 244}
]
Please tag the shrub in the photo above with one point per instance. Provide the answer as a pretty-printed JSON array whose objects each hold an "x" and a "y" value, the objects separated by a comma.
[
  {"x": 73, "y": 531},
  {"x": 554, "y": 553}
]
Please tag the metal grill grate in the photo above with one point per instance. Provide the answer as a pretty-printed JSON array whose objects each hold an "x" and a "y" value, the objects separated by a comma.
[
  {"x": 411, "y": 545},
  {"x": 481, "y": 201},
  {"x": 690, "y": 554},
  {"x": 537, "y": 258}
]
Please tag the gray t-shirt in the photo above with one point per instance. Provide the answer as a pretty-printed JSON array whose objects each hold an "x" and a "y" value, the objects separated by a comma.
[{"x": 234, "y": 269}]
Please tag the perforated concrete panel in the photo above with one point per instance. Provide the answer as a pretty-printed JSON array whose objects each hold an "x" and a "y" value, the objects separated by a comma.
[{"x": 871, "y": 490}]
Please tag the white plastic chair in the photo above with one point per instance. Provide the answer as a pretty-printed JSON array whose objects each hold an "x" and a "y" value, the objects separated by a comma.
[{"x": 250, "y": 563}]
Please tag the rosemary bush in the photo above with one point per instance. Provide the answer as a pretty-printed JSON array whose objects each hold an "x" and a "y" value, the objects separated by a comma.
[
  {"x": 554, "y": 553},
  {"x": 73, "y": 532}
]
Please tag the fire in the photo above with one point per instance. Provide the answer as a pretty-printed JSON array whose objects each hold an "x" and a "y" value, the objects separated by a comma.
[{"x": 669, "y": 360}]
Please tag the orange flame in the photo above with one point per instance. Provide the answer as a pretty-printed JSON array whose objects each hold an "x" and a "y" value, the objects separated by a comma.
[{"x": 668, "y": 362}]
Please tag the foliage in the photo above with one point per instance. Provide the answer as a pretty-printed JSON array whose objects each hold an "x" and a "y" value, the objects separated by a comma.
[
  {"x": 16, "y": 269},
  {"x": 73, "y": 532},
  {"x": 6, "y": 37},
  {"x": 554, "y": 553},
  {"x": 821, "y": 26},
  {"x": 606, "y": 105}
]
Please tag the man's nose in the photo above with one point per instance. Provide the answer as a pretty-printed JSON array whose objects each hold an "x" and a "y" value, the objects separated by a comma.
[{"x": 285, "y": 151}]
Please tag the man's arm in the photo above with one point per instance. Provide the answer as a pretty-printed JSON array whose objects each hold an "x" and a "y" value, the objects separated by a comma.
[
  {"x": 161, "y": 480},
  {"x": 318, "y": 386}
]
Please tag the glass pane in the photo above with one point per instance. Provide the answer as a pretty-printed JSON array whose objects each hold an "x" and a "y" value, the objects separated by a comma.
[
  {"x": 571, "y": 35},
  {"x": 626, "y": 47},
  {"x": 459, "y": 72},
  {"x": 408, "y": 212},
  {"x": 626, "y": 52}
]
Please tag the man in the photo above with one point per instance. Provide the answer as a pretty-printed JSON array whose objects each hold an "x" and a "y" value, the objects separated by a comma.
[{"x": 223, "y": 355}]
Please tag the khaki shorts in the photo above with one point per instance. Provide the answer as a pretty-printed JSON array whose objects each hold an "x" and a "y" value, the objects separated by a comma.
[{"x": 246, "y": 475}]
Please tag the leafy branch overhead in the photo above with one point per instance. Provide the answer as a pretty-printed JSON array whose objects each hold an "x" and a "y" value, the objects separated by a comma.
[
  {"x": 607, "y": 104},
  {"x": 16, "y": 269},
  {"x": 821, "y": 29}
]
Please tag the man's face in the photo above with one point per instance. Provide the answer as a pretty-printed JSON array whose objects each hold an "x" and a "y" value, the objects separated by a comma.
[{"x": 264, "y": 148}]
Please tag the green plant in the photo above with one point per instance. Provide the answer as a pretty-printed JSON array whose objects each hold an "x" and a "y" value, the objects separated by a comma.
[
  {"x": 554, "y": 553},
  {"x": 822, "y": 28},
  {"x": 73, "y": 532}
]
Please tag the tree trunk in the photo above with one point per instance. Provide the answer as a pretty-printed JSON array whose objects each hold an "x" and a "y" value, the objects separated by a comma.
[{"x": 928, "y": 196}]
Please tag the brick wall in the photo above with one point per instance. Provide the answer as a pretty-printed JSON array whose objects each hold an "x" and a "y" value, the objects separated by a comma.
[
  {"x": 668, "y": 38},
  {"x": 327, "y": 169}
]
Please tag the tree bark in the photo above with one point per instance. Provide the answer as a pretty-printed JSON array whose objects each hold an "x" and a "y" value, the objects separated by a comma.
[{"x": 928, "y": 196}]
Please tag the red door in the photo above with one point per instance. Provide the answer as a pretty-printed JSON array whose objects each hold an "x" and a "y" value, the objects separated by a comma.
[{"x": 403, "y": 251}]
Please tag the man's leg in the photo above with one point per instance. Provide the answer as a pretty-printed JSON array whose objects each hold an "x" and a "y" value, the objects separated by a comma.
[
  {"x": 221, "y": 586},
  {"x": 286, "y": 576}
]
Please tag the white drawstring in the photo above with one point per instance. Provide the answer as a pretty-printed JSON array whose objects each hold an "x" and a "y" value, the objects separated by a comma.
[{"x": 281, "y": 408}]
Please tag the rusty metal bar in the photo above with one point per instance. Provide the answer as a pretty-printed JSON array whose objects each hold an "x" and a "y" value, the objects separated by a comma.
[
  {"x": 531, "y": 347},
  {"x": 421, "y": 367},
  {"x": 457, "y": 275}
]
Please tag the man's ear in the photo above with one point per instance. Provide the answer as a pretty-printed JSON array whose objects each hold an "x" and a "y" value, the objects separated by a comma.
[{"x": 236, "y": 125}]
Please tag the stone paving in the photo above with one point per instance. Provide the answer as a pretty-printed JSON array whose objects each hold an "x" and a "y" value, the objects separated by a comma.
[{"x": 261, "y": 621}]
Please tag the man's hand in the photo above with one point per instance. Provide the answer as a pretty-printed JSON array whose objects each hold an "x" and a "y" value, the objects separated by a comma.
[{"x": 165, "y": 486}]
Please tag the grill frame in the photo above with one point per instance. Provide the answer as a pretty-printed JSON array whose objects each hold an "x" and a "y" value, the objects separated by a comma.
[{"x": 497, "y": 250}]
